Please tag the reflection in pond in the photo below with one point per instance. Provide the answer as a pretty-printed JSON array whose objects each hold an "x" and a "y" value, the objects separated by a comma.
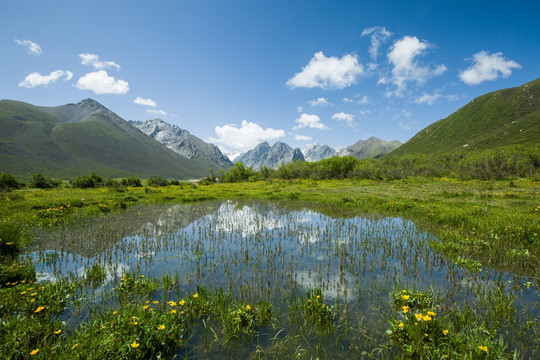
[{"x": 263, "y": 251}]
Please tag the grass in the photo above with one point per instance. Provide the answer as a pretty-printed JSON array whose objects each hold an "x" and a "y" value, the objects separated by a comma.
[{"x": 480, "y": 226}]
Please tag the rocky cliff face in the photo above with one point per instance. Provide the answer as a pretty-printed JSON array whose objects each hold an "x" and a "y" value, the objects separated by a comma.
[
  {"x": 318, "y": 152},
  {"x": 182, "y": 142},
  {"x": 370, "y": 148},
  {"x": 270, "y": 156}
]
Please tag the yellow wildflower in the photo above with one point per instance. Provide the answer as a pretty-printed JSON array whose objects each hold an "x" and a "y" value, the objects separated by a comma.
[
  {"x": 74, "y": 346},
  {"x": 431, "y": 313},
  {"x": 418, "y": 316},
  {"x": 196, "y": 295},
  {"x": 173, "y": 311},
  {"x": 445, "y": 332},
  {"x": 483, "y": 348},
  {"x": 155, "y": 302},
  {"x": 426, "y": 318},
  {"x": 405, "y": 297},
  {"x": 34, "y": 352},
  {"x": 161, "y": 327},
  {"x": 39, "y": 309},
  {"x": 182, "y": 302},
  {"x": 248, "y": 307},
  {"x": 172, "y": 303},
  {"x": 145, "y": 307},
  {"x": 58, "y": 331},
  {"x": 405, "y": 309},
  {"x": 401, "y": 325},
  {"x": 135, "y": 344},
  {"x": 318, "y": 296}
]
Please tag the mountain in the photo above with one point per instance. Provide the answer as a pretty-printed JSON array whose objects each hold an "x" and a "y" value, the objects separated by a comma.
[
  {"x": 182, "y": 142},
  {"x": 271, "y": 157},
  {"x": 75, "y": 139},
  {"x": 370, "y": 148},
  {"x": 501, "y": 118},
  {"x": 316, "y": 152}
]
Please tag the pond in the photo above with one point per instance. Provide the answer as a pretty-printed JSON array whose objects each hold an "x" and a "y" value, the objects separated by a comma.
[{"x": 273, "y": 251}]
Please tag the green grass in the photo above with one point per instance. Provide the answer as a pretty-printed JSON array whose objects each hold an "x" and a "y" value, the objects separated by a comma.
[
  {"x": 498, "y": 119},
  {"x": 481, "y": 225}
]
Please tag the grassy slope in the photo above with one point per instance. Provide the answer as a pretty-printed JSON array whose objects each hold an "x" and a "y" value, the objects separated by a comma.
[
  {"x": 502, "y": 118},
  {"x": 34, "y": 141}
]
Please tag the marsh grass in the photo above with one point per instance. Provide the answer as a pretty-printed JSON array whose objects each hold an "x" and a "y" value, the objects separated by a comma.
[{"x": 259, "y": 298}]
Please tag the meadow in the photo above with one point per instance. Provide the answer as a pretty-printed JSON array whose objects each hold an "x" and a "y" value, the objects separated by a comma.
[{"x": 411, "y": 268}]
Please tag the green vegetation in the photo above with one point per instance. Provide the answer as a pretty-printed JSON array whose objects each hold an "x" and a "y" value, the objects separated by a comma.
[
  {"x": 503, "y": 118},
  {"x": 42, "y": 182},
  {"x": 75, "y": 139}
]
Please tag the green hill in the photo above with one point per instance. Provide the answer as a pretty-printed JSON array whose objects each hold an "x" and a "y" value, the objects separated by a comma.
[
  {"x": 76, "y": 139},
  {"x": 504, "y": 118}
]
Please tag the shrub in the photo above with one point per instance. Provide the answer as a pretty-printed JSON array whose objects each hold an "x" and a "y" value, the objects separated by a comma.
[
  {"x": 40, "y": 181},
  {"x": 135, "y": 182},
  {"x": 85, "y": 182},
  {"x": 9, "y": 182},
  {"x": 158, "y": 182}
]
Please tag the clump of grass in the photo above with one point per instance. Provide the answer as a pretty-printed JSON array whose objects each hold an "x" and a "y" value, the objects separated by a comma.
[
  {"x": 317, "y": 312},
  {"x": 10, "y": 240},
  {"x": 420, "y": 331},
  {"x": 13, "y": 273},
  {"x": 95, "y": 275},
  {"x": 132, "y": 285}
]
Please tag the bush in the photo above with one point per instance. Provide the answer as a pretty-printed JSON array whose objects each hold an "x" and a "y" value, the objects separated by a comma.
[
  {"x": 42, "y": 182},
  {"x": 158, "y": 182},
  {"x": 10, "y": 240},
  {"x": 134, "y": 182},
  {"x": 85, "y": 182},
  {"x": 9, "y": 182}
]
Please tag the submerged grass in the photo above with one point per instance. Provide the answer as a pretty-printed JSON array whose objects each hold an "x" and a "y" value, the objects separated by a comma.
[{"x": 481, "y": 227}]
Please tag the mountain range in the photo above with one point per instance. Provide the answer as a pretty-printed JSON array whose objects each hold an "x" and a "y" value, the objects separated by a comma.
[
  {"x": 182, "y": 142},
  {"x": 75, "y": 139},
  {"x": 264, "y": 155}
]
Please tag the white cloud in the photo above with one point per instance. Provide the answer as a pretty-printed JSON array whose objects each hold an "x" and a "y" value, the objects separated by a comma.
[
  {"x": 487, "y": 67},
  {"x": 328, "y": 73},
  {"x": 341, "y": 116},
  {"x": 302, "y": 138},
  {"x": 245, "y": 137},
  {"x": 36, "y": 79},
  {"x": 378, "y": 36},
  {"x": 300, "y": 109},
  {"x": 403, "y": 56},
  {"x": 427, "y": 98},
  {"x": 146, "y": 102},
  {"x": 101, "y": 83},
  {"x": 347, "y": 100},
  {"x": 93, "y": 60},
  {"x": 156, "y": 112},
  {"x": 33, "y": 48},
  {"x": 310, "y": 121},
  {"x": 319, "y": 102}
]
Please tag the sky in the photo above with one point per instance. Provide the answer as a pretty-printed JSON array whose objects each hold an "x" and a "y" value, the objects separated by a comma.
[{"x": 237, "y": 73}]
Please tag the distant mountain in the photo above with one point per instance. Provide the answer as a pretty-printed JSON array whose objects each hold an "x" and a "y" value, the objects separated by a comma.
[
  {"x": 75, "y": 139},
  {"x": 270, "y": 156},
  {"x": 182, "y": 142},
  {"x": 371, "y": 148},
  {"x": 316, "y": 152},
  {"x": 501, "y": 118}
]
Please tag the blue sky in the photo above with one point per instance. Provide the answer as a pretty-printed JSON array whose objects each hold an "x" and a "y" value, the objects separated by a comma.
[{"x": 237, "y": 73}]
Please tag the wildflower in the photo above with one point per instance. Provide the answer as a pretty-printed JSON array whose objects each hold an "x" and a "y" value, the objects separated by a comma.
[
  {"x": 145, "y": 307},
  {"x": 182, "y": 302},
  {"x": 34, "y": 352},
  {"x": 135, "y": 344},
  {"x": 318, "y": 296},
  {"x": 172, "y": 303},
  {"x": 404, "y": 291},
  {"x": 248, "y": 307},
  {"x": 405, "y": 309},
  {"x": 425, "y": 334},
  {"x": 33, "y": 294},
  {"x": 173, "y": 311},
  {"x": 114, "y": 312},
  {"x": 418, "y": 316},
  {"x": 445, "y": 332},
  {"x": 405, "y": 297},
  {"x": 196, "y": 295},
  {"x": 426, "y": 318},
  {"x": 161, "y": 327},
  {"x": 135, "y": 323},
  {"x": 39, "y": 309},
  {"x": 58, "y": 331},
  {"x": 74, "y": 346},
  {"x": 401, "y": 325},
  {"x": 155, "y": 302},
  {"x": 431, "y": 313},
  {"x": 483, "y": 348}
]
